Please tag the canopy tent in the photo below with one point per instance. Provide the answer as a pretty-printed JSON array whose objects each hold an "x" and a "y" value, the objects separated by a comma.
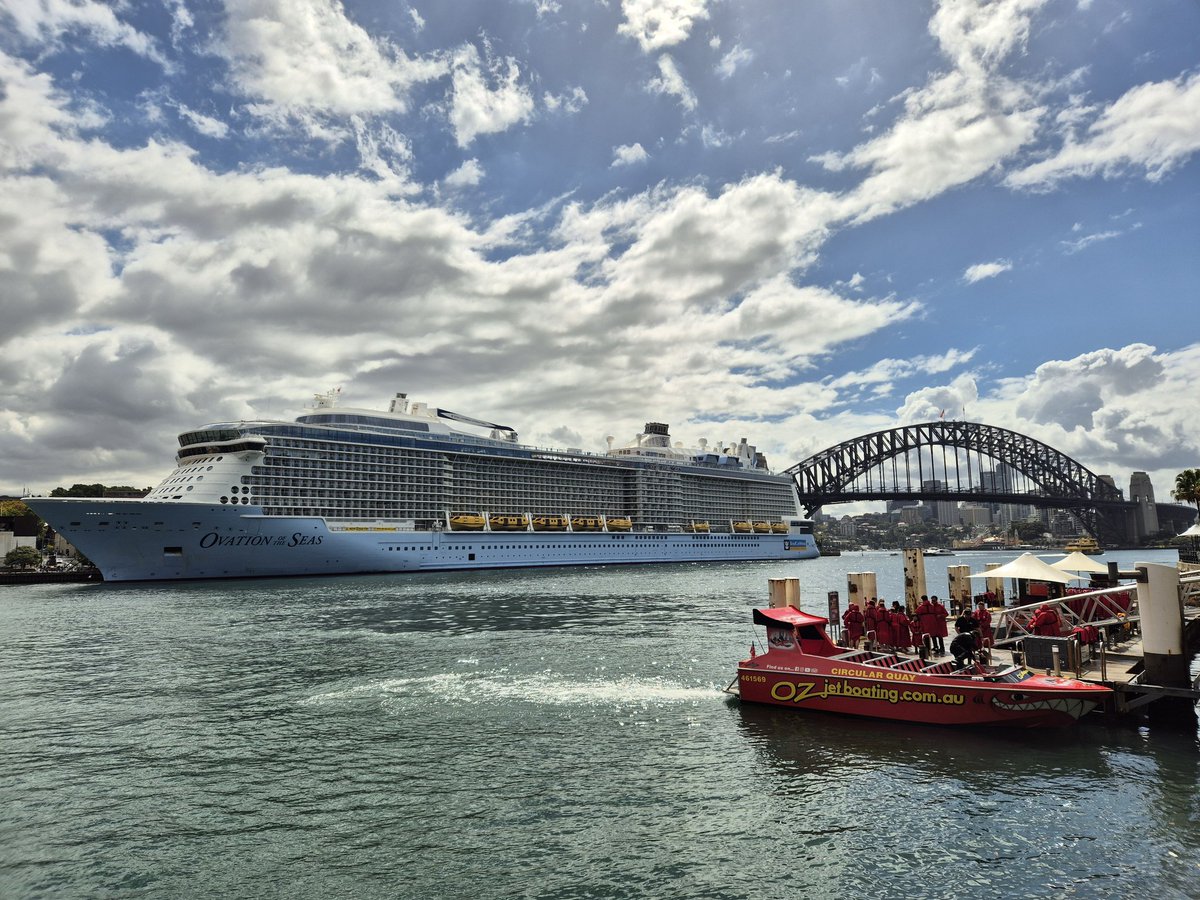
[
  {"x": 1030, "y": 568},
  {"x": 1194, "y": 531},
  {"x": 1079, "y": 562}
]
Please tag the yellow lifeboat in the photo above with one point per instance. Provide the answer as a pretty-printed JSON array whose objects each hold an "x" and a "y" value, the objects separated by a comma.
[
  {"x": 549, "y": 523},
  {"x": 779, "y": 527},
  {"x": 508, "y": 522},
  {"x": 466, "y": 522},
  {"x": 586, "y": 523},
  {"x": 699, "y": 527},
  {"x": 619, "y": 523},
  {"x": 762, "y": 527},
  {"x": 742, "y": 527}
]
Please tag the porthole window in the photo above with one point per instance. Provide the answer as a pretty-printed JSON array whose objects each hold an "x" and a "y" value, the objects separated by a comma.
[
  {"x": 190, "y": 486},
  {"x": 245, "y": 500},
  {"x": 234, "y": 489},
  {"x": 224, "y": 499}
]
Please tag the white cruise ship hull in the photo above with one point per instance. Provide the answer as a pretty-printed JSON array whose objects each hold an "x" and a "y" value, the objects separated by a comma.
[{"x": 141, "y": 540}]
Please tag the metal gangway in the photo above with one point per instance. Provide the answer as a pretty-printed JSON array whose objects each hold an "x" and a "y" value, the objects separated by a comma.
[{"x": 1102, "y": 608}]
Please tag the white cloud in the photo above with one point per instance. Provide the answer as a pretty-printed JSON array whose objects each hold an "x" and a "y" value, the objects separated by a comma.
[
  {"x": 306, "y": 57},
  {"x": 980, "y": 271},
  {"x": 712, "y": 137},
  {"x": 963, "y": 124},
  {"x": 206, "y": 125},
  {"x": 46, "y": 21},
  {"x": 671, "y": 82},
  {"x": 655, "y": 24},
  {"x": 1087, "y": 240},
  {"x": 468, "y": 174},
  {"x": 628, "y": 154},
  {"x": 733, "y": 60},
  {"x": 477, "y": 107},
  {"x": 569, "y": 103},
  {"x": 1154, "y": 127}
]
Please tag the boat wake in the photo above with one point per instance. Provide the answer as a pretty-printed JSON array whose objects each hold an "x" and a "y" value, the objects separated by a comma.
[{"x": 543, "y": 688}]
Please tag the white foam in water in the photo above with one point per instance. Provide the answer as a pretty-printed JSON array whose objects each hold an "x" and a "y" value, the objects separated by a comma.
[{"x": 546, "y": 688}]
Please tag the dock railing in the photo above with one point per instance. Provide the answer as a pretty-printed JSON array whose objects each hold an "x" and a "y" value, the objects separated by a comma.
[{"x": 1106, "y": 606}]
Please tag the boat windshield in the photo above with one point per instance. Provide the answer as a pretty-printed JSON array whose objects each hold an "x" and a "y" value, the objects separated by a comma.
[{"x": 1011, "y": 675}]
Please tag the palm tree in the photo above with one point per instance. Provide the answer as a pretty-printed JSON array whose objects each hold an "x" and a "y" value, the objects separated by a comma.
[{"x": 1187, "y": 487}]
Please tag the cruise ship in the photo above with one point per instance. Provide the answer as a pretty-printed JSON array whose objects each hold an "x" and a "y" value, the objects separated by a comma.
[{"x": 418, "y": 488}]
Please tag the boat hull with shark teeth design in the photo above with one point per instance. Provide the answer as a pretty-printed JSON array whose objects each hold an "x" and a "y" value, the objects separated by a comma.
[{"x": 803, "y": 669}]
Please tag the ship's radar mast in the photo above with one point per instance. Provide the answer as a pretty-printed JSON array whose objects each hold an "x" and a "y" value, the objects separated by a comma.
[{"x": 327, "y": 400}]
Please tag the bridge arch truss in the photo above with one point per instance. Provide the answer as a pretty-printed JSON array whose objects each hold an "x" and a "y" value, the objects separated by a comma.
[{"x": 946, "y": 461}]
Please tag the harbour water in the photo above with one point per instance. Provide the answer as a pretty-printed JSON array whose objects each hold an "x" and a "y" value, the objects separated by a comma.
[{"x": 541, "y": 734}]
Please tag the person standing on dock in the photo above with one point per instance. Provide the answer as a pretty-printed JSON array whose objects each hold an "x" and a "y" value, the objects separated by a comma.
[
  {"x": 852, "y": 620},
  {"x": 940, "y": 630},
  {"x": 901, "y": 634},
  {"x": 983, "y": 616},
  {"x": 918, "y": 632},
  {"x": 1046, "y": 622},
  {"x": 871, "y": 620},
  {"x": 926, "y": 624},
  {"x": 883, "y": 625}
]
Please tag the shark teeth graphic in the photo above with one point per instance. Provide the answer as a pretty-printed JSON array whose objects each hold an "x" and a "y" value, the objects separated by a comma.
[{"x": 1068, "y": 706}]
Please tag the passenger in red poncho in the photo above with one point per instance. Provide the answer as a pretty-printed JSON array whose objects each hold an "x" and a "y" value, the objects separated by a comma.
[
  {"x": 901, "y": 635},
  {"x": 852, "y": 619},
  {"x": 871, "y": 620},
  {"x": 1046, "y": 622},
  {"x": 883, "y": 625},
  {"x": 983, "y": 616},
  {"x": 925, "y": 616},
  {"x": 939, "y": 623},
  {"x": 918, "y": 636}
]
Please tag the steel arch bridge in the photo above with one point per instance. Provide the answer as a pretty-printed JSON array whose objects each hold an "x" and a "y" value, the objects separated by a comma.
[{"x": 947, "y": 461}]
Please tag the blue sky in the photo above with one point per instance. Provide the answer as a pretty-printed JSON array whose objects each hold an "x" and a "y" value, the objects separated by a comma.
[{"x": 790, "y": 221}]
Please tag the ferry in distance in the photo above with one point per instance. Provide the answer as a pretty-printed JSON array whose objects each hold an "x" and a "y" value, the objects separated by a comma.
[{"x": 417, "y": 488}]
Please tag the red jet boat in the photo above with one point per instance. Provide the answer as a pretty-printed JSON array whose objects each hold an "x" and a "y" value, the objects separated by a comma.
[{"x": 804, "y": 669}]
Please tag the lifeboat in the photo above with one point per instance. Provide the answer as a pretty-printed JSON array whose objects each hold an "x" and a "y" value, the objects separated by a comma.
[
  {"x": 762, "y": 527},
  {"x": 549, "y": 523},
  {"x": 586, "y": 523},
  {"x": 743, "y": 527},
  {"x": 779, "y": 527},
  {"x": 466, "y": 522},
  {"x": 619, "y": 523},
  {"x": 699, "y": 527},
  {"x": 508, "y": 522},
  {"x": 803, "y": 670}
]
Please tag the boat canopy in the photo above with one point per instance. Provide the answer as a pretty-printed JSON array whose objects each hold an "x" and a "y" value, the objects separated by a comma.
[{"x": 788, "y": 617}]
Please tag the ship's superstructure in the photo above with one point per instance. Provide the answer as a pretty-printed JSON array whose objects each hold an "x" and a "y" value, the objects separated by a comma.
[{"x": 339, "y": 480}]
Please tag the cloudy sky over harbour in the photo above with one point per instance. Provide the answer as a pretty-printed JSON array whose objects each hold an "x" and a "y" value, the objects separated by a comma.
[{"x": 793, "y": 221}]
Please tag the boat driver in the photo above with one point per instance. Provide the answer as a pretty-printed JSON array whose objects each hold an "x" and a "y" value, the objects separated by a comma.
[{"x": 963, "y": 648}]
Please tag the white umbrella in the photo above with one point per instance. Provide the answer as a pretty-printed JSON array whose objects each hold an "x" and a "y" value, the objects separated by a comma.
[
  {"x": 1079, "y": 562},
  {"x": 1030, "y": 568},
  {"x": 1194, "y": 531}
]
